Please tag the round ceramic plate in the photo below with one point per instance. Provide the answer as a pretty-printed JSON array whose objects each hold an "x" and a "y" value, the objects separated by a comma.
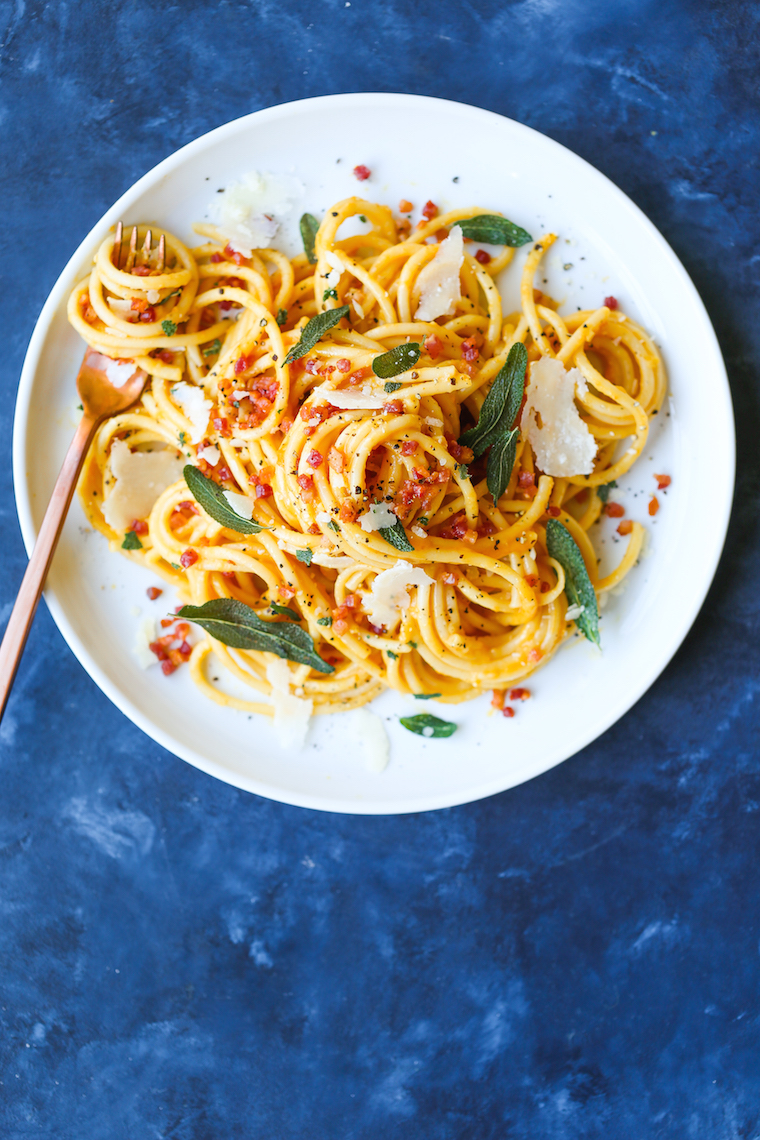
[{"x": 461, "y": 156}]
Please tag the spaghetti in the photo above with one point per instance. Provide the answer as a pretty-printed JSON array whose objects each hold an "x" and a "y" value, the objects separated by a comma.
[{"x": 320, "y": 447}]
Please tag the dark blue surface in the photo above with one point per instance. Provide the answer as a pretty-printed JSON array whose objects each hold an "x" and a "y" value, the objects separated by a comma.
[{"x": 579, "y": 957}]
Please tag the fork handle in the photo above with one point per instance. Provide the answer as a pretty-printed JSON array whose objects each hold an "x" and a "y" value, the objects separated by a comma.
[{"x": 20, "y": 621}]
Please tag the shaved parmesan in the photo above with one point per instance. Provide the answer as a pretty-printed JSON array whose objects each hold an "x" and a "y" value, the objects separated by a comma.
[
  {"x": 153, "y": 296},
  {"x": 140, "y": 477},
  {"x": 240, "y": 504},
  {"x": 249, "y": 212},
  {"x": 358, "y": 308},
  {"x": 291, "y": 714},
  {"x": 389, "y": 595},
  {"x": 146, "y": 633},
  {"x": 123, "y": 305},
  {"x": 211, "y": 454},
  {"x": 197, "y": 409},
  {"x": 117, "y": 371},
  {"x": 336, "y": 268},
  {"x": 350, "y": 400},
  {"x": 573, "y": 612},
  {"x": 379, "y": 515},
  {"x": 561, "y": 441},
  {"x": 371, "y": 731},
  {"x": 439, "y": 280}
]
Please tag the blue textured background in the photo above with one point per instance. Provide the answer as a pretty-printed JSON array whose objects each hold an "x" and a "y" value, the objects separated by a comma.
[{"x": 579, "y": 957}]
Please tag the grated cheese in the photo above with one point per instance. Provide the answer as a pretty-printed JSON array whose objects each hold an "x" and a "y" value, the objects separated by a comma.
[
  {"x": 240, "y": 504},
  {"x": 140, "y": 477},
  {"x": 379, "y": 515},
  {"x": 146, "y": 633},
  {"x": 371, "y": 731},
  {"x": 291, "y": 714},
  {"x": 561, "y": 441},
  {"x": 197, "y": 409},
  {"x": 249, "y": 212},
  {"x": 388, "y": 597},
  {"x": 439, "y": 280}
]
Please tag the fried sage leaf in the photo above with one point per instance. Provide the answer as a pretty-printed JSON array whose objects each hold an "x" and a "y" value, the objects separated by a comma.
[
  {"x": 396, "y": 360},
  {"x": 235, "y": 624},
  {"x": 425, "y": 724},
  {"x": 501, "y": 460},
  {"x": 502, "y": 403},
  {"x": 396, "y": 536},
  {"x": 313, "y": 332},
  {"x": 562, "y": 546},
  {"x": 309, "y": 226},
  {"x": 494, "y": 230},
  {"x": 210, "y": 496}
]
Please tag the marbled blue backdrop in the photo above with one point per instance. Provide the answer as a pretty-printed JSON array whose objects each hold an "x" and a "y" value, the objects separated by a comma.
[{"x": 579, "y": 957}]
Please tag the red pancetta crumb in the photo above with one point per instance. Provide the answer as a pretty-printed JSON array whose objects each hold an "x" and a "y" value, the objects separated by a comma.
[
  {"x": 429, "y": 210},
  {"x": 408, "y": 447},
  {"x": 343, "y": 365},
  {"x": 139, "y": 526},
  {"x": 611, "y": 303},
  {"x": 433, "y": 346},
  {"x": 497, "y": 700},
  {"x": 482, "y": 257},
  {"x": 470, "y": 349},
  {"x": 508, "y": 711},
  {"x": 154, "y": 592},
  {"x": 625, "y": 527},
  {"x": 663, "y": 481},
  {"x": 362, "y": 172},
  {"x": 314, "y": 458},
  {"x": 654, "y": 505},
  {"x": 405, "y": 206},
  {"x": 188, "y": 558},
  {"x": 519, "y": 694},
  {"x": 526, "y": 480},
  {"x": 614, "y": 510},
  {"x": 535, "y": 655},
  {"x": 553, "y": 512}
]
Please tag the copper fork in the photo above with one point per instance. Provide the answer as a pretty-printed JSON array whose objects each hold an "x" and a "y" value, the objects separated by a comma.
[{"x": 100, "y": 398}]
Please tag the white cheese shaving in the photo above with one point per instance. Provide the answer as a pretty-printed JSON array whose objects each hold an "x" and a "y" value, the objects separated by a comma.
[
  {"x": 389, "y": 597},
  {"x": 379, "y": 515},
  {"x": 153, "y": 296},
  {"x": 336, "y": 268},
  {"x": 322, "y": 516},
  {"x": 240, "y": 504},
  {"x": 561, "y": 441},
  {"x": 249, "y": 212},
  {"x": 140, "y": 477},
  {"x": 197, "y": 409},
  {"x": 211, "y": 454},
  {"x": 440, "y": 288},
  {"x": 349, "y": 399},
  {"x": 371, "y": 731},
  {"x": 291, "y": 714},
  {"x": 358, "y": 308},
  {"x": 573, "y": 612},
  {"x": 146, "y": 633},
  {"x": 117, "y": 371},
  {"x": 239, "y": 394},
  {"x": 418, "y": 531},
  {"x": 120, "y": 305}
]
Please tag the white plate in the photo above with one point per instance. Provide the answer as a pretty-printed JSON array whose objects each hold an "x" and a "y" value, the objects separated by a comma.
[{"x": 417, "y": 148}]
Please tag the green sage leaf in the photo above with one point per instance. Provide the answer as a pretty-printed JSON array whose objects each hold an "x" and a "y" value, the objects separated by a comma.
[
  {"x": 284, "y": 611},
  {"x": 324, "y": 621},
  {"x": 562, "y": 546},
  {"x": 502, "y": 403},
  {"x": 425, "y": 696},
  {"x": 131, "y": 541},
  {"x": 494, "y": 230},
  {"x": 425, "y": 724},
  {"x": 309, "y": 226},
  {"x": 210, "y": 496},
  {"x": 305, "y": 555},
  {"x": 213, "y": 348},
  {"x": 604, "y": 491},
  {"x": 392, "y": 386},
  {"x": 501, "y": 460},
  {"x": 396, "y": 360},
  {"x": 313, "y": 332},
  {"x": 396, "y": 536},
  {"x": 237, "y": 625}
]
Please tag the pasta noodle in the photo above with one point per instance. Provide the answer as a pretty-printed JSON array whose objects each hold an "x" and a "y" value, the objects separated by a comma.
[{"x": 213, "y": 331}]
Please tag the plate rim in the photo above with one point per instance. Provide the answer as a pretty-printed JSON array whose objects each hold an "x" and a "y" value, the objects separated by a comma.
[{"x": 22, "y": 409}]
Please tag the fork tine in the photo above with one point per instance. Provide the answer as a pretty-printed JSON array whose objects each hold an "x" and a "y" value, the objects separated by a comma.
[
  {"x": 161, "y": 253},
  {"x": 132, "y": 251},
  {"x": 117, "y": 245},
  {"x": 147, "y": 244}
]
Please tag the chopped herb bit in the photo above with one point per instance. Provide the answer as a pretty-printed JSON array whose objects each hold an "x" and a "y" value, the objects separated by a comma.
[
  {"x": 324, "y": 621},
  {"x": 362, "y": 218},
  {"x": 463, "y": 471},
  {"x": 334, "y": 526},
  {"x": 169, "y": 327},
  {"x": 330, "y": 293},
  {"x": 426, "y": 696},
  {"x": 604, "y": 491},
  {"x": 131, "y": 541},
  {"x": 213, "y": 348},
  {"x": 393, "y": 656},
  {"x": 182, "y": 438},
  {"x": 282, "y": 317},
  {"x": 392, "y": 386},
  {"x": 305, "y": 555},
  {"x": 80, "y": 408},
  {"x": 284, "y": 611}
]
